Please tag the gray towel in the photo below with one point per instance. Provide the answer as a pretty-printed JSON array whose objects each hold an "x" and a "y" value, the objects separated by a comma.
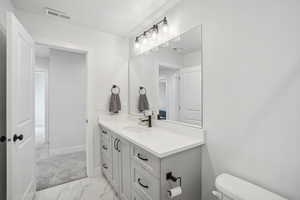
[
  {"x": 143, "y": 103},
  {"x": 114, "y": 103}
]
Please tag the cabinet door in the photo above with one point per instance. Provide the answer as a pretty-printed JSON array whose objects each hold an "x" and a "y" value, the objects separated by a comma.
[
  {"x": 125, "y": 177},
  {"x": 115, "y": 165}
]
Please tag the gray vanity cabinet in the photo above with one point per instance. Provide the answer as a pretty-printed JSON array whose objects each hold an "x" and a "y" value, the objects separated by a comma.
[
  {"x": 116, "y": 163},
  {"x": 136, "y": 174}
]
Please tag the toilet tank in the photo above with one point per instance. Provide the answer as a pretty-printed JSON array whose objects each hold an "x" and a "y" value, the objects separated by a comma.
[{"x": 231, "y": 187}]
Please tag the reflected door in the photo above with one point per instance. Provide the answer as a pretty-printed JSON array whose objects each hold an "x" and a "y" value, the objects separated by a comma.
[{"x": 190, "y": 95}]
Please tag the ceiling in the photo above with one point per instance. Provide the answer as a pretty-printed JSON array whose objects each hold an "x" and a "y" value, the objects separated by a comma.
[{"x": 114, "y": 16}]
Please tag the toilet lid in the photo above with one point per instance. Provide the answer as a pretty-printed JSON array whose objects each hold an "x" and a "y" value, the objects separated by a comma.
[{"x": 239, "y": 189}]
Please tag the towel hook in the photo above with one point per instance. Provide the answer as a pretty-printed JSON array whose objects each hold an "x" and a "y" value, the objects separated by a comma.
[
  {"x": 142, "y": 89},
  {"x": 115, "y": 87}
]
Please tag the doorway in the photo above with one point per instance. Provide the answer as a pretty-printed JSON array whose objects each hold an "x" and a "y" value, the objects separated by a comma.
[
  {"x": 60, "y": 116},
  {"x": 168, "y": 93}
]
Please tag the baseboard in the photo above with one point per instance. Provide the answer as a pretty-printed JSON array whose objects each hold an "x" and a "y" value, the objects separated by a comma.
[{"x": 66, "y": 150}]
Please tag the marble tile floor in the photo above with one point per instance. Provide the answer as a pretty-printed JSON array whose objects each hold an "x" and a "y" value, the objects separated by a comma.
[{"x": 85, "y": 189}]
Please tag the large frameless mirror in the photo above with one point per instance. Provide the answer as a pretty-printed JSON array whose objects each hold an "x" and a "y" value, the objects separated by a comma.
[{"x": 170, "y": 78}]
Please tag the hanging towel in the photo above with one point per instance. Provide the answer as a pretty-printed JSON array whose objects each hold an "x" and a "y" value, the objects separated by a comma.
[
  {"x": 114, "y": 103},
  {"x": 143, "y": 103}
]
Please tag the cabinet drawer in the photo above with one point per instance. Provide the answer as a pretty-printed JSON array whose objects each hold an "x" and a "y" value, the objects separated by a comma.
[
  {"x": 145, "y": 183},
  {"x": 106, "y": 167},
  {"x": 146, "y": 160}
]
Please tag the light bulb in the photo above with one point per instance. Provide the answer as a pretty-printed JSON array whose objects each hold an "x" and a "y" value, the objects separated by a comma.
[
  {"x": 154, "y": 32},
  {"x": 154, "y": 35},
  {"x": 137, "y": 43},
  {"x": 145, "y": 40},
  {"x": 165, "y": 26}
]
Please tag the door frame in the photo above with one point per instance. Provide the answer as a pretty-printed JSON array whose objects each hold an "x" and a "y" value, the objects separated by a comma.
[
  {"x": 92, "y": 169},
  {"x": 46, "y": 71}
]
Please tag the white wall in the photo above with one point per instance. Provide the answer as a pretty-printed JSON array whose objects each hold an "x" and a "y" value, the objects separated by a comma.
[
  {"x": 251, "y": 89},
  {"x": 107, "y": 65},
  {"x": 67, "y": 101},
  {"x": 192, "y": 59}
]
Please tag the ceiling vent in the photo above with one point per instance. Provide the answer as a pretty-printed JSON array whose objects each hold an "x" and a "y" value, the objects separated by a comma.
[{"x": 56, "y": 13}]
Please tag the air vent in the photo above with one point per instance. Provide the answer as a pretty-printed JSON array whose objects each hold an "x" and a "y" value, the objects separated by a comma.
[{"x": 56, "y": 13}]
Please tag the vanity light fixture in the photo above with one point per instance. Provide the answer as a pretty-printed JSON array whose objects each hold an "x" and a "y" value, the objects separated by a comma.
[
  {"x": 165, "y": 25},
  {"x": 137, "y": 43},
  {"x": 151, "y": 33}
]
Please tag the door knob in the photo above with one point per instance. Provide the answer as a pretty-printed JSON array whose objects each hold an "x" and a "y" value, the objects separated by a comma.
[
  {"x": 16, "y": 137},
  {"x": 2, "y": 139}
]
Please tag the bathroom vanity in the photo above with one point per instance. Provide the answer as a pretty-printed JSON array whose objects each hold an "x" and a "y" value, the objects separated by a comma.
[{"x": 144, "y": 163}]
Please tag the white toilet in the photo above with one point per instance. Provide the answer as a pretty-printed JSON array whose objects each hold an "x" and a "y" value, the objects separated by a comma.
[{"x": 233, "y": 188}]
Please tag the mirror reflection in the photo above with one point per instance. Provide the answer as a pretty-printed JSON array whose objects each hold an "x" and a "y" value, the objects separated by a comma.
[{"x": 171, "y": 74}]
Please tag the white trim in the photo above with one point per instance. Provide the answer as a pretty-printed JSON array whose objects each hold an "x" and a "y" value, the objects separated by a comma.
[{"x": 66, "y": 150}]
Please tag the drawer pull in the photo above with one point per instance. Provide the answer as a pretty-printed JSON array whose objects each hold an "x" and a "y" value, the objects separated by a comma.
[
  {"x": 141, "y": 184},
  {"x": 104, "y": 132},
  {"x": 104, "y": 147},
  {"x": 141, "y": 157},
  {"x": 104, "y": 166}
]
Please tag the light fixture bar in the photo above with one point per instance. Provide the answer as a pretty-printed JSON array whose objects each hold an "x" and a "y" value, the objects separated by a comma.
[{"x": 164, "y": 21}]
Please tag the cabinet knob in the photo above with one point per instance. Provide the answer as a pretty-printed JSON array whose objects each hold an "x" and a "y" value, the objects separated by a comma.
[
  {"x": 18, "y": 137},
  {"x": 105, "y": 166}
]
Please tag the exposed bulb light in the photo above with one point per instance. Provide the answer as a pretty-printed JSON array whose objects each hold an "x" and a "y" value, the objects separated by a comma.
[
  {"x": 165, "y": 26},
  {"x": 154, "y": 32},
  {"x": 151, "y": 34},
  {"x": 137, "y": 43},
  {"x": 144, "y": 38}
]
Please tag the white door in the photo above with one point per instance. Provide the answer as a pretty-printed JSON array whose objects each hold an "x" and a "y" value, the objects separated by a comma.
[
  {"x": 190, "y": 95},
  {"x": 20, "y": 112}
]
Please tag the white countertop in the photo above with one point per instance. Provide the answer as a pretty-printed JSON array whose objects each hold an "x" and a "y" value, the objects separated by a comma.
[{"x": 163, "y": 139}]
